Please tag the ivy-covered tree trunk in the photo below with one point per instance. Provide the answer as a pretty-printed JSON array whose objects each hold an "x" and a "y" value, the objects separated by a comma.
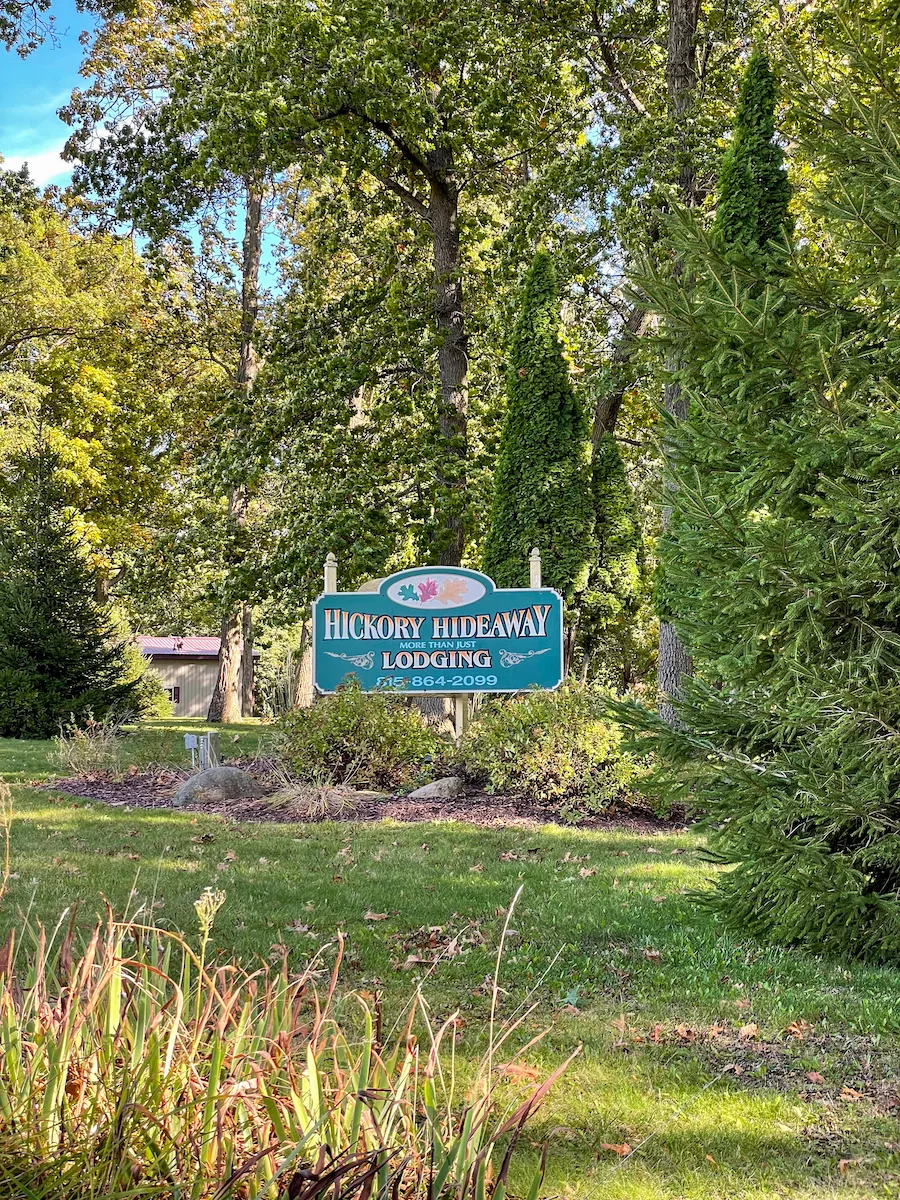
[{"x": 232, "y": 697}]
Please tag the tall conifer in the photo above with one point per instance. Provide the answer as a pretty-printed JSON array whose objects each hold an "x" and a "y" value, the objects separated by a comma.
[
  {"x": 59, "y": 657},
  {"x": 780, "y": 561},
  {"x": 542, "y": 484},
  {"x": 754, "y": 190}
]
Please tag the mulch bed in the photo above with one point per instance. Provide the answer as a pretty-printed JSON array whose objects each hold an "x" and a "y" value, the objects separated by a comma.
[{"x": 154, "y": 789}]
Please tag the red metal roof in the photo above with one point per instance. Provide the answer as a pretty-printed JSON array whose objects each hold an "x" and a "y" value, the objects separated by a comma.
[{"x": 190, "y": 647}]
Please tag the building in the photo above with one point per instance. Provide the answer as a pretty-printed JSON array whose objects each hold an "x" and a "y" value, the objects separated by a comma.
[{"x": 188, "y": 668}]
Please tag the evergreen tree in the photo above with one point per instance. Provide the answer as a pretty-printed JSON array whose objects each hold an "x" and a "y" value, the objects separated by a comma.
[
  {"x": 754, "y": 190},
  {"x": 613, "y": 611},
  {"x": 781, "y": 562},
  {"x": 59, "y": 659},
  {"x": 542, "y": 484}
]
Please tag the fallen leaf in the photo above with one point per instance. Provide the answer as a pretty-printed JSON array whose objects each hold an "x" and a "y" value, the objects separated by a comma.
[
  {"x": 849, "y": 1093},
  {"x": 587, "y": 872},
  {"x": 709, "y": 1158},
  {"x": 510, "y": 856},
  {"x": 651, "y": 955},
  {"x": 798, "y": 1029},
  {"x": 414, "y": 960},
  {"x": 815, "y": 1077},
  {"x": 521, "y": 1070},
  {"x": 742, "y": 1004},
  {"x": 374, "y": 916},
  {"x": 477, "y": 867},
  {"x": 747, "y": 1032},
  {"x": 658, "y": 899},
  {"x": 231, "y": 856},
  {"x": 846, "y": 1163},
  {"x": 620, "y": 1148}
]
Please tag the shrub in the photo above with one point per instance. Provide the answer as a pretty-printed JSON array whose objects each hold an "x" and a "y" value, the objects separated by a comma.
[
  {"x": 376, "y": 740},
  {"x": 133, "y": 1068},
  {"x": 557, "y": 746}
]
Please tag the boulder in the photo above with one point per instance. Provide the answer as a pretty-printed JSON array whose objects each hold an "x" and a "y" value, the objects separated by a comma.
[
  {"x": 439, "y": 789},
  {"x": 218, "y": 783}
]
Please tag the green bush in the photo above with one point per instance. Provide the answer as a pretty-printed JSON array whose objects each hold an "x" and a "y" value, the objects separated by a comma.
[
  {"x": 374, "y": 740},
  {"x": 557, "y": 746}
]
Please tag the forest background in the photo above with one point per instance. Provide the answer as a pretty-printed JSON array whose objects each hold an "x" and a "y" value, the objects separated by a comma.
[{"x": 271, "y": 316}]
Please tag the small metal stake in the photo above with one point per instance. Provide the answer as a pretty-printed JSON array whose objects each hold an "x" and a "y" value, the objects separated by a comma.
[{"x": 534, "y": 568}]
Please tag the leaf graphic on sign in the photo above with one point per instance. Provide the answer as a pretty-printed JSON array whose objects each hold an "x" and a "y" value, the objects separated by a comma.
[
  {"x": 427, "y": 590},
  {"x": 408, "y": 592},
  {"x": 453, "y": 590}
]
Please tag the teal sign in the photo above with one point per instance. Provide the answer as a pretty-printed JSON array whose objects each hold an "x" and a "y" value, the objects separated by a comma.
[{"x": 439, "y": 629}]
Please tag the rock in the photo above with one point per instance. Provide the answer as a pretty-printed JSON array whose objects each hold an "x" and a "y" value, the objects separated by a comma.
[
  {"x": 439, "y": 789},
  {"x": 218, "y": 783}
]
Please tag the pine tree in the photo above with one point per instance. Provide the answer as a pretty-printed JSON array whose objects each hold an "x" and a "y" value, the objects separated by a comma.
[
  {"x": 781, "y": 558},
  {"x": 59, "y": 658},
  {"x": 542, "y": 484}
]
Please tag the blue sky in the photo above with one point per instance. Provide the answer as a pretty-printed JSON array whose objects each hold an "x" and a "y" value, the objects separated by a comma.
[{"x": 32, "y": 89}]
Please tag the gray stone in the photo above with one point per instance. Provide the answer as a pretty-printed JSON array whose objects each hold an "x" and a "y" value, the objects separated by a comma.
[
  {"x": 218, "y": 783},
  {"x": 439, "y": 789}
]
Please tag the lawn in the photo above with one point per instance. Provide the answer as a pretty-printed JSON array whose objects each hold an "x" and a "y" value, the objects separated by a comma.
[{"x": 698, "y": 1046}]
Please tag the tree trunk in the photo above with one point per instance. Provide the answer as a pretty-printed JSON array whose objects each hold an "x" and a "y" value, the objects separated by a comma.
[
  {"x": 227, "y": 702},
  {"x": 305, "y": 694},
  {"x": 681, "y": 77},
  {"x": 453, "y": 359},
  {"x": 606, "y": 407},
  {"x": 247, "y": 698}
]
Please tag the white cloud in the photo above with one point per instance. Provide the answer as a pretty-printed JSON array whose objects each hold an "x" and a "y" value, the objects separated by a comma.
[{"x": 46, "y": 166}]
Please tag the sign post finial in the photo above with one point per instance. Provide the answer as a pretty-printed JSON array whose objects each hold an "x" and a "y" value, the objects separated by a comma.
[
  {"x": 330, "y": 575},
  {"x": 534, "y": 568}
]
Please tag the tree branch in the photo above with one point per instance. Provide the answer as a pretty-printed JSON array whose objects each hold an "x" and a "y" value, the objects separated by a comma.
[{"x": 412, "y": 202}]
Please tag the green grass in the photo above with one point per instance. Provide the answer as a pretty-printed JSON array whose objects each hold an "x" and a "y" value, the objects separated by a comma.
[{"x": 606, "y": 941}]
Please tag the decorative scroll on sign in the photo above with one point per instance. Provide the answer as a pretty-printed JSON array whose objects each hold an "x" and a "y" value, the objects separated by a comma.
[{"x": 443, "y": 629}]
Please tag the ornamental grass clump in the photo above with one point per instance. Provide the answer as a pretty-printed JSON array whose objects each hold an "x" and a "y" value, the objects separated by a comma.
[{"x": 134, "y": 1068}]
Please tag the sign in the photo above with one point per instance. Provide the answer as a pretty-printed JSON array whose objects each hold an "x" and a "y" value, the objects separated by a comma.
[{"x": 439, "y": 629}]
